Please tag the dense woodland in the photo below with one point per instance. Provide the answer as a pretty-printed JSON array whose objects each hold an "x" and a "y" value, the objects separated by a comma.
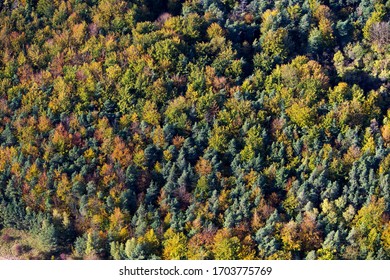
[{"x": 195, "y": 129}]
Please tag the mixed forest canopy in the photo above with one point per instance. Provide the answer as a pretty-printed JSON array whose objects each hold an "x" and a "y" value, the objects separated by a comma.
[{"x": 195, "y": 129}]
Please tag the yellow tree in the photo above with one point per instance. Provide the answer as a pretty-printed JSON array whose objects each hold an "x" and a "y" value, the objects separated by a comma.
[
  {"x": 369, "y": 226},
  {"x": 174, "y": 245},
  {"x": 226, "y": 247}
]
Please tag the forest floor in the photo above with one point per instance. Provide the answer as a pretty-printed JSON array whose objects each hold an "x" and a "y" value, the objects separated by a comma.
[{"x": 19, "y": 245}]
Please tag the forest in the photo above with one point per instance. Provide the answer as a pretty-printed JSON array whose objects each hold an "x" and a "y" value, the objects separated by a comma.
[{"x": 195, "y": 129}]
